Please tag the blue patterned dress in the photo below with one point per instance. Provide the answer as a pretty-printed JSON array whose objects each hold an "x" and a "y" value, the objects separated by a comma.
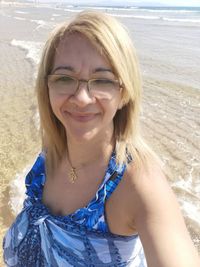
[{"x": 38, "y": 238}]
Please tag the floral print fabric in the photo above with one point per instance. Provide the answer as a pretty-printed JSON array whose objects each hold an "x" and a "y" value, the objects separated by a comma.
[{"x": 38, "y": 238}]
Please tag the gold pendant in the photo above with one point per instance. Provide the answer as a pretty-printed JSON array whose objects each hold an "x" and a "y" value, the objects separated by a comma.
[{"x": 72, "y": 174}]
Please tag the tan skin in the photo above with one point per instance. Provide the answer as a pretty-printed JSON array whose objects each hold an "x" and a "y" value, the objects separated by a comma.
[{"x": 143, "y": 202}]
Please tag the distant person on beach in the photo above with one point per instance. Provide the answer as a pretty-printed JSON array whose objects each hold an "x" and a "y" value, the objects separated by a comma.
[{"x": 96, "y": 195}]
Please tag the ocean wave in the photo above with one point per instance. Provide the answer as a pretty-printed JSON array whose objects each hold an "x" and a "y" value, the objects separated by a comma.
[
  {"x": 190, "y": 210},
  {"x": 190, "y": 196},
  {"x": 17, "y": 191},
  {"x": 73, "y": 10},
  {"x": 21, "y": 12},
  {"x": 155, "y": 18},
  {"x": 42, "y": 24},
  {"x": 33, "y": 49},
  {"x": 39, "y": 21},
  {"x": 110, "y": 8},
  {"x": 181, "y": 11},
  {"x": 19, "y": 18},
  {"x": 182, "y": 20},
  {"x": 133, "y": 16}
]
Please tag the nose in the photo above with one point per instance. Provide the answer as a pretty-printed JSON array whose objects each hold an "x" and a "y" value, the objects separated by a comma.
[{"x": 82, "y": 97}]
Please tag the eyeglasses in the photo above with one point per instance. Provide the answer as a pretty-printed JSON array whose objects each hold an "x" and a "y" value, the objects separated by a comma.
[{"x": 67, "y": 85}]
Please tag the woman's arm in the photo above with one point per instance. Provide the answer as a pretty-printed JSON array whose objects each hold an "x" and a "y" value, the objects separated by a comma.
[{"x": 159, "y": 221}]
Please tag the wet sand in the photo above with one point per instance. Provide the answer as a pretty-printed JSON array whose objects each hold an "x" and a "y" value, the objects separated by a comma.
[
  {"x": 170, "y": 122},
  {"x": 172, "y": 126}
]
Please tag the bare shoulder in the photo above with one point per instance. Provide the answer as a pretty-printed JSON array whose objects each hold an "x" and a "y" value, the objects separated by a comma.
[
  {"x": 150, "y": 189},
  {"x": 154, "y": 201},
  {"x": 157, "y": 217},
  {"x": 149, "y": 185}
]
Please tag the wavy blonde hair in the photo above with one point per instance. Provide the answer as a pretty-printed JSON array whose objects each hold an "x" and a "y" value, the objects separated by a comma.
[{"x": 111, "y": 37}]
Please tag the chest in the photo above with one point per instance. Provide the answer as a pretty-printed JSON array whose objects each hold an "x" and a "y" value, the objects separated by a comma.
[{"x": 63, "y": 197}]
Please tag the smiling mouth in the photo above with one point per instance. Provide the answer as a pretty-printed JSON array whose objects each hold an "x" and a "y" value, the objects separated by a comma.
[{"x": 82, "y": 117}]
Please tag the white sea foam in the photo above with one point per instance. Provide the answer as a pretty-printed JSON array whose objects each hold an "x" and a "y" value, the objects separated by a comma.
[
  {"x": 108, "y": 8},
  {"x": 56, "y": 15},
  {"x": 188, "y": 205},
  {"x": 166, "y": 11},
  {"x": 21, "y": 12},
  {"x": 41, "y": 23},
  {"x": 145, "y": 17},
  {"x": 182, "y": 20},
  {"x": 19, "y": 18},
  {"x": 17, "y": 191},
  {"x": 187, "y": 187},
  {"x": 33, "y": 49},
  {"x": 190, "y": 210},
  {"x": 73, "y": 10},
  {"x": 133, "y": 16},
  {"x": 33, "y": 52}
]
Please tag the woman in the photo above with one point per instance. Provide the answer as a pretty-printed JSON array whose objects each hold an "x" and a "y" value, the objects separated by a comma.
[{"x": 96, "y": 190}]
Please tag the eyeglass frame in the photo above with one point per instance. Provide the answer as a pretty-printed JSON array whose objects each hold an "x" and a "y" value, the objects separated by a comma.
[{"x": 116, "y": 81}]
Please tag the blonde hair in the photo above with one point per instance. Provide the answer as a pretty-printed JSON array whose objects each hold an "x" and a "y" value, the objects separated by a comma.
[{"x": 107, "y": 33}]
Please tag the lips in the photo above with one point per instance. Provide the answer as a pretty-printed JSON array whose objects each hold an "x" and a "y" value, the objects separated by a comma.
[{"x": 82, "y": 117}]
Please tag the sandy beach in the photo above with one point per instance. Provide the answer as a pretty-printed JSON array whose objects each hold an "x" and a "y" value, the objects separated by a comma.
[{"x": 171, "y": 103}]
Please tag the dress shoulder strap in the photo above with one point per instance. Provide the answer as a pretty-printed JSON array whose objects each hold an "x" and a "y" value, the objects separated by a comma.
[
  {"x": 116, "y": 176},
  {"x": 114, "y": 180}
]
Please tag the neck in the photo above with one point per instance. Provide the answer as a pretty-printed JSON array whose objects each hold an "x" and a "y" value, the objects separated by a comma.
[{"x": 84, "y": 153}]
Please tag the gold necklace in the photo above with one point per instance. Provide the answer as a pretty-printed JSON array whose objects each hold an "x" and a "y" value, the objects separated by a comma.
[
  {"x": 73, "y": 176},
  {"x": 72, "y": 173}
]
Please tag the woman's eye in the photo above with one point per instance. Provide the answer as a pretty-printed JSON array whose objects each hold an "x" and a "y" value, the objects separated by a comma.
[
  {"x": 64, "y": 79},
  {"x": 103, "y": 81}
]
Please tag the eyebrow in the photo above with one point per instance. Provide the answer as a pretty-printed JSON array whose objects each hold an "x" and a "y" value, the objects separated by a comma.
[
  {"x": 63, "y": 68},
  {"x": 99, "y": 69}
]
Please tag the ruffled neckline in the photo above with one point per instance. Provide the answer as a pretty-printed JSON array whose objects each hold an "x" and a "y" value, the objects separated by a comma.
[{"x": 87, "y": 215}]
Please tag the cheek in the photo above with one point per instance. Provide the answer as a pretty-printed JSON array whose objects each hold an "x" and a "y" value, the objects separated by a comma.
[
  {"x": 53, "y": 102},
  {"x": 56, "y": 103},
  {"x": 110, "y": 108}
]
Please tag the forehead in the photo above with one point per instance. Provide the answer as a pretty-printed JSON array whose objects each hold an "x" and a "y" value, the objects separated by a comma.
[
  {"x": 76, "y": 49},
  {"x": 71, "y": 41}
]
